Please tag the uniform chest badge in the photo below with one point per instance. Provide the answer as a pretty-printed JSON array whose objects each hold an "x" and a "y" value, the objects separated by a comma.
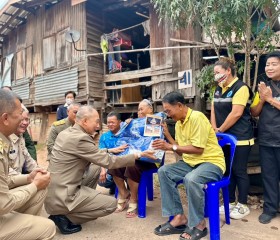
[{"x": 229, "y": 94}]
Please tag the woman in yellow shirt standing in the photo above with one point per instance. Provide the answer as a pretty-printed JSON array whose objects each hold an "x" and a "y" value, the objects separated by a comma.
[{"x": 230, "y": 113}]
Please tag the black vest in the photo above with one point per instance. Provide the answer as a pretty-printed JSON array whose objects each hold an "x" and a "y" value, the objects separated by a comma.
[
  {"x": 242, "y": 129},
  {"x": 269, "y": 121}
]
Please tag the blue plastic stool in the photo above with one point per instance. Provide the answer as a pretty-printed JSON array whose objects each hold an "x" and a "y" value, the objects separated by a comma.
[{"x": 211, "y": 209}]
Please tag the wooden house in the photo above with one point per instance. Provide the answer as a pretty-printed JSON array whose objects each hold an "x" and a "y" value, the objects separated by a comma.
[{"x": 40, "y": 65}]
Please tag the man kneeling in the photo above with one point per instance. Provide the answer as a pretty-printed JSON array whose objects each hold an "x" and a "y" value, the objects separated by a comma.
[{"x": 69, "y": 201}]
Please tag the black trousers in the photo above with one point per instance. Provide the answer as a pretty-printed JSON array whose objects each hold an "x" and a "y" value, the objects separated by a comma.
[
  {"x": 239, "y": 178},
  {"x": 270, "y": 166}
]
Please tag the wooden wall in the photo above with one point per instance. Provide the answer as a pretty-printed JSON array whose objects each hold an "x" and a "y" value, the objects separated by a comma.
[
  {"x": 40, "y": 47},
  {"x": 179, "y": 59},
  {"x": 95, "y": 23}
]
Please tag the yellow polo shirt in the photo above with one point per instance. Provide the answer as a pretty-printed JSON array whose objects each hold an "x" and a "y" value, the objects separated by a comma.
[
  {"x": 256, "y": 100},
  {"x": 241, "y": 97},
  {"x": 197, "y": 131}
]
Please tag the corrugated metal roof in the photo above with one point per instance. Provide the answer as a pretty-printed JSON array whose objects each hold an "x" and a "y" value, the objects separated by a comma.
[
  {"x": 15, "y": 12},
  {"x": 56, "y": 84}
]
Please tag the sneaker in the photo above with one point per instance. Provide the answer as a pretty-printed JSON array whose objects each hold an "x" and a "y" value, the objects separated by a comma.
[
  {"x": 222, "y": 208},
  {"x": 239, "y": 211}
]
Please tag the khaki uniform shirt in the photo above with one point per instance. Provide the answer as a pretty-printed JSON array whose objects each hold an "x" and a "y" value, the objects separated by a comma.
[
  {"x": 56, "y": 128},
  {"x": 19, "y": 156},
  {"x": 10, "y": 201},
  {"x": 73, "y": 152}
]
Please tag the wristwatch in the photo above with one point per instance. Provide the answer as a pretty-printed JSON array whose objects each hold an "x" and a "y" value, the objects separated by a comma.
[{"x": 174, "y": 148}]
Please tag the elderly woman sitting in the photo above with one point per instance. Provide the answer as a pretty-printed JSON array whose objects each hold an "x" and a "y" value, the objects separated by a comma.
[{"x": 128, "y": 196}]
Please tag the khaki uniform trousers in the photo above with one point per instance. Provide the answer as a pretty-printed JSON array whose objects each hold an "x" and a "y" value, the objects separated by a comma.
[
  {"x": 91, "y": 176},
  {"x": 92, "y": 208},
  {"x": 23, "y": 224}
]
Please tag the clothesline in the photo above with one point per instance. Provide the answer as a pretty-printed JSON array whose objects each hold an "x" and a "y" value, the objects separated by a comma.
[{"x": 150, "y": 49}]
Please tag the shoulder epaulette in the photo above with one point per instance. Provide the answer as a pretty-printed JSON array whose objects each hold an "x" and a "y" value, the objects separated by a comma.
[
  {"x": 60, "y": 122},
  {"x": 1, "y": 146}
]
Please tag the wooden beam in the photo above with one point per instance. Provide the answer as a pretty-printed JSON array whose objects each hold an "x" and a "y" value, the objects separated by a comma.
[
  {"x": 38, "y": 3},
  {"x": 116, "y": 6},
  {"x": 186, "y": 41},
  {"x": 21, "y": 6},
  {"x": 147, "y": 72},
  {"x": 7, "y": 24},
  {"x": 146, "y": 83},
  {"x": 17, "y": 17}
]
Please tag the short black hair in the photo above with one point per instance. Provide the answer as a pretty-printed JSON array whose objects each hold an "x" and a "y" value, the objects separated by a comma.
[
  {"x": 275, "y": 54},
  {"x": 68, "y": 92},
  {"x": 116, "y": 114},
  {"x": 173, "y": 98}
]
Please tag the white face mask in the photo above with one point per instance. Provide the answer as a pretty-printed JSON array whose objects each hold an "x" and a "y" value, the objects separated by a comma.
[
  {"x": 221, "y": 78},
  {"x": 69, "y": 101}
]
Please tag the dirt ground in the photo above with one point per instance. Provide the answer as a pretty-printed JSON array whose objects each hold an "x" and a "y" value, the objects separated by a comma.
[{"x": 117, "y": 226}]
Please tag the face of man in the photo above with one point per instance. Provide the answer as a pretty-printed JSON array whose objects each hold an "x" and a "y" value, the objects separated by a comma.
[
  {"x": 23, "y": 124},
  {"x": 272, "y": 68},
  {"x": 72, "y": 113},
  {"x": 69, "y": 98},
  {"x": 144, "y": 109},
  {"x": 12, "y": 120},
  {"x": 113, "y": 124},
  {"x": 173, "y": 111},
  {"x": 92, "y": 123}
]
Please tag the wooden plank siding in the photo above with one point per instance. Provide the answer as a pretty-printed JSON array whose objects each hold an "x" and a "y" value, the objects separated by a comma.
[
  {"x": 95, "y": 65},
  {"x": 40, "y": 48},
  {"x": 180, "y": 59}
]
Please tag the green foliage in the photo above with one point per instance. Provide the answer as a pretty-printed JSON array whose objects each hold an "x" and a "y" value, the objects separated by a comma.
[
  {"x": 205, "y": 82},
  {"x": 238, "y": 24}
]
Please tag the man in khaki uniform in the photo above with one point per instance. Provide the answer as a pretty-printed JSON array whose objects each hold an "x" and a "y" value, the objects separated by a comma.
[
  {"x": 20, "y": 159},
  {"x": 21, "y": 196},
  {"x": 73, "y": 152},
  {"x": 59, "y": 126}
]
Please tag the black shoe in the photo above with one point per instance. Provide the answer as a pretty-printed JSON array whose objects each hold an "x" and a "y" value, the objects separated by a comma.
[
  {"x": 112, "y": 190},
  {"x": 265, "y": 218},
  {"x": 65, "y": 225}
]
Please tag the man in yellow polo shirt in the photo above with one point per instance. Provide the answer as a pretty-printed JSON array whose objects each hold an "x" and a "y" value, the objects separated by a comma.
[{"x": 202, "y": 162}]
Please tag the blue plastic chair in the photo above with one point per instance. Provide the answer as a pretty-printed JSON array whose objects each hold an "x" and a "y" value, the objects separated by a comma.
[
  {"x": 145, "y": 189},
  {"x": 212, "y": 191},
  {"x": 211, "y": 209}
]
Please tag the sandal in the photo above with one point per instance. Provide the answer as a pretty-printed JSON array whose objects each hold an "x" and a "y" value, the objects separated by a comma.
[
  {"x": 132, "y": 210},
  {"x": 122, "y": 204},
  {"x": 194, "y": 233},
  {"x": 168, "y": 229}
]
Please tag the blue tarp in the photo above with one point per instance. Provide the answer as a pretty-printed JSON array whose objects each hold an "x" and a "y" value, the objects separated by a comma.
[{"x": 133, "y": 135}]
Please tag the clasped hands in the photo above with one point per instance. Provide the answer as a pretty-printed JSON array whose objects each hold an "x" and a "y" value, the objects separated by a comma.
[
  {"x": 40, "y": 177},
  {"x": 265, "y": 92}
]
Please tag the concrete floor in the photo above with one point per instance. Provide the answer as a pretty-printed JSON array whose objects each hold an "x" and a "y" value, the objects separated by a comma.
[{"x": 117, "y": 226}]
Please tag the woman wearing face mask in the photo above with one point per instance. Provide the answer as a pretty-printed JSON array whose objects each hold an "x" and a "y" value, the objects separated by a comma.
[
  {"x": 230, "y": 113},
  {"x": 62, "y": 109}
]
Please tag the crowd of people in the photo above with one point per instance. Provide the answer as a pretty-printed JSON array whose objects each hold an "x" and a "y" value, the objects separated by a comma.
[{"x": 77, "y": 163}]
